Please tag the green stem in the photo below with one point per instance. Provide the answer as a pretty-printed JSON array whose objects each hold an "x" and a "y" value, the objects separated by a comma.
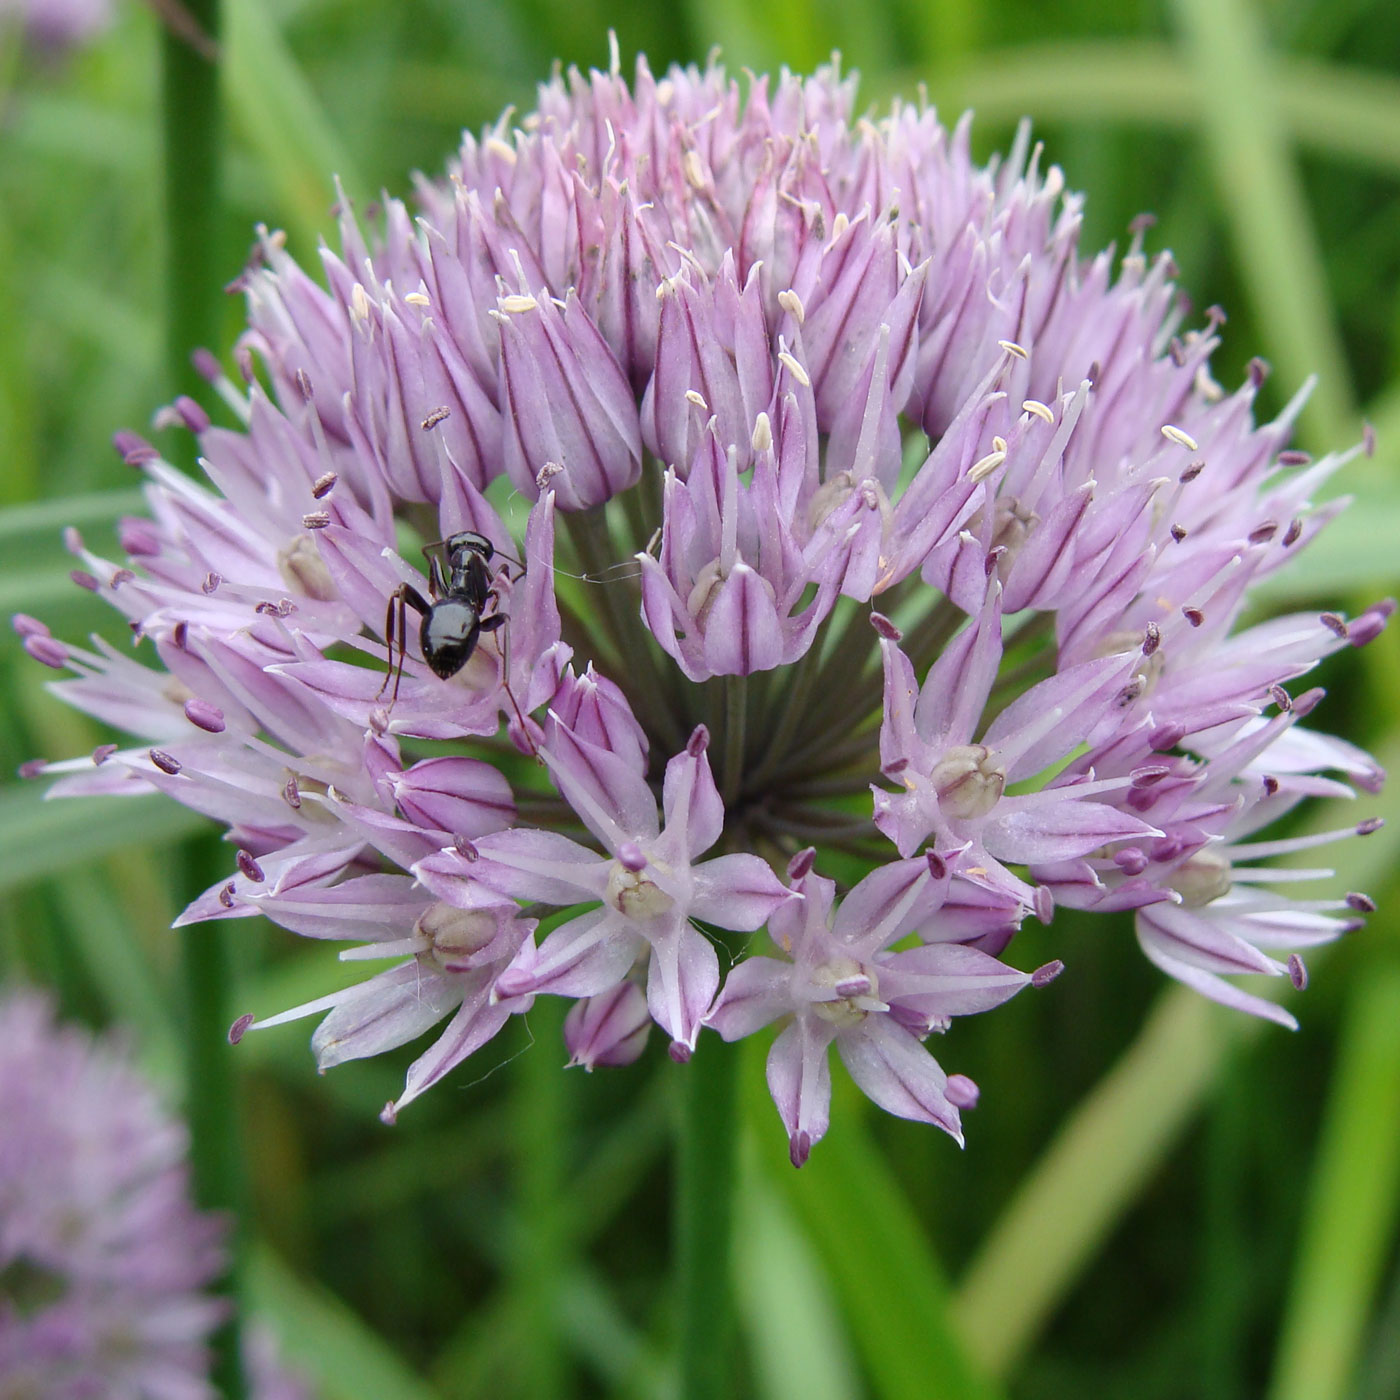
[
  {"x": 538, "y": 1260},
  {"x": 193, "y": 186},
  {"x": 735, "y": 729},
  {"x": 216, "y": 1158},
  {"x": 193, "y": 220},
  {"x": 706, "y": 1150}
]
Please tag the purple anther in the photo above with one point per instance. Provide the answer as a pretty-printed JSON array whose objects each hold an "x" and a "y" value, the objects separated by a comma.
[
  {"x": 885, "y": 627},
  {"x": 698, "y": 742},
  {"x": 989, "y": 564},
  {"x": 680, "y": 1052},
  {"x": 1193, "y": 615},
  {"x": 1140, "y": 223},
  {"x": 894, "y": 767},
  {"x": 119, "y": 577},
  {"x": 211, "y": 583},
  {"x": 204, "y": 716},
  {"x": 465, "y": 849},
  {"x": 1192, "y": 471},
  {"x": 1368, "y": 439},
  {"x": 1297, "y": 971},
  {"x": 324, "y": 485},
  {"x": 47, "y": 650},
  {"x": 72, "y": 540},
  {"x": 379, "y": 720},
  {"x": 28, "y": 626},
  {"x": 102, "y": 753},
  {"x": 316, "y": 519},
  {"x": 937, "y": 866},
  {"x": 250, "y": 868},
  {"x": 800, "y": 1147},
  {"x": 1369, "y": 826},
  {"x": 1294, "y": 531},
  {"x": 1292, "y": 457},
  {"x": 961, "y": 1092},
  {"x": 133, "y": 449},
  {"x": 32, "y": 767},
  {"x": 1333, "y": 623},
  {"x": 1262, "y": 534},
  {"x": 801, "y": 863},
  {"x": 1259, "y": 371},
  {"x": 1177, "y": 351},
  {"x": 1270, "y": 784},
  {"x": 631, "y": 857},
  {"x": 240, "y": 1027},
  {"x": 1281, "y": 698},
  {"x": 1178, "y": 533},
  {"x": 1151, "y": 638},
  {"x": 1043, "y": 904},
  {"x": 291, "y": 793},
  {"x": 1362, "y": 903},
  {"x": 207, "y": 366},
  {"x": 304, "y": 387},
  {"x": 1046, "y": 973},
  {"x": 438, "y": 415},
  {"x": 389, "y": 1114},
  {"x": 191, "y": 414},
  {"x": 226, "y": 896},
  {"x": 179, "y": 634},
  {"x": 86, "y": 580},
  {"x": 167, "y": 763}
]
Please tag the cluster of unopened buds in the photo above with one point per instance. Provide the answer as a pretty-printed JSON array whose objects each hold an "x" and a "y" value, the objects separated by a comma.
[{"x": 840, "y": 472}]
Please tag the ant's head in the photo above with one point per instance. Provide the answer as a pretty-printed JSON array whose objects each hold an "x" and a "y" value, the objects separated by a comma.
[{"x": 466, "y": 542}]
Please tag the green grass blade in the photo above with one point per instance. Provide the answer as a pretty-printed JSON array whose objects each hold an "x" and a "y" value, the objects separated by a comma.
[
  {"x": 1269, "y": 222},
  {"x": 321, "y": 1336},
  {"x": 278, "y": 113},
  {"x": 874, "y": 1248},
  {"x": 39, "y": 838},
  {"x": 1089, "y": 1176},
  {"x": 786, "y": 1305},
  {"x": 1351, "y": 1214}
]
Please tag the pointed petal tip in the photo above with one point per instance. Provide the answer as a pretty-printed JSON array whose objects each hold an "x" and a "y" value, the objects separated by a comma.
[
  {"x": 680, "y": 1052},
  {"x": 799, "y": 1148}
]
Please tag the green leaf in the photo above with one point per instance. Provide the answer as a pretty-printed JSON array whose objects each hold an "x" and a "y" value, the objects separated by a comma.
[{"x": 38, "y": 838}]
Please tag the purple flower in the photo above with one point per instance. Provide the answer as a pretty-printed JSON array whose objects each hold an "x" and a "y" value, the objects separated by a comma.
[
  {"x": 102, "y": 1254},
  {"x": 706, "y": 372}
]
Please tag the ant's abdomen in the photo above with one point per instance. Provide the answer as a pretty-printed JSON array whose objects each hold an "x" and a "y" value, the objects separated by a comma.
[{"x": 448, "y": 636}]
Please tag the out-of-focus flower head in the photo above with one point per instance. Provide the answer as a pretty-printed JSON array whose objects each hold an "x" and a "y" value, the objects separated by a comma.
[{"x": 750, "y": 369}]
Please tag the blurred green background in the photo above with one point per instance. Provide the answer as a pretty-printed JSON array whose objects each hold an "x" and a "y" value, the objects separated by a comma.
[{"x": 1158, "y": 1200}]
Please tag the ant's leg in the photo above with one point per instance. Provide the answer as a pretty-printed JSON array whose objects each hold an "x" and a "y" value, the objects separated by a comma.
[
  {"x": 396, "y": 627},
  {"x": 491, "y": 624}
]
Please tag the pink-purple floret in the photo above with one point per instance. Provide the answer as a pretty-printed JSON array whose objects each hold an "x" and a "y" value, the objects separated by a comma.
[{"x": 838, "y": 358}]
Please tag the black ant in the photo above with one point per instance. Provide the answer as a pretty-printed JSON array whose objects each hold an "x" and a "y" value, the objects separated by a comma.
[{"x": 452, "y": 621}]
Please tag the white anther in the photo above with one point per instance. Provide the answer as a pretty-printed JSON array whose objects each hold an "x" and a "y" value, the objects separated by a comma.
[
  {"x": 794, "y": 369},
  {"x": 1011, "y": 348},
  {"x": 1174, "y": 434},
  {"x": 698, "y": 399},
  {"x": 1039, "y": 409},
  {"x": 518, "y": 302},
  {"x": 762, "y": 438},
  {"x": 359, "y": 303},
  {"x": 502, "y": 150},
  {"x": 983, "y": 467},
  {"x": 792, "y": 304},
  {"x": 694, "y": 169},
  {"x": 417, "y": 299}
]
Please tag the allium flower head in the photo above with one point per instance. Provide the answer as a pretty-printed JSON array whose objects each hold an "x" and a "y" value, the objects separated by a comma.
[
  {"x": 862, "y": 514},
  {"x": 102, "y": 1255}
]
